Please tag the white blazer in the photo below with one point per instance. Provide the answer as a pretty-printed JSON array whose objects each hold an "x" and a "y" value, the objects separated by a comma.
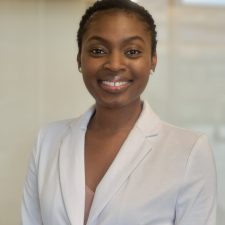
[{"x": 162, "y": 175}]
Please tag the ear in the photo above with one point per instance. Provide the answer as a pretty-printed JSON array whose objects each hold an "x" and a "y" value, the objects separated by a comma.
[
  {"x": 78, "y": 60},
  {"x": 154, "y": 61}
]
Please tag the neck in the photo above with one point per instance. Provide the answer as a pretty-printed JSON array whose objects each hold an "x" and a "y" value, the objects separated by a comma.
[{"x": 115, "y": 119}]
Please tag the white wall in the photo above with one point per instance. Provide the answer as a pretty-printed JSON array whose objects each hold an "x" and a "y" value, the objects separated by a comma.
[{"x": 39, "y": 81}]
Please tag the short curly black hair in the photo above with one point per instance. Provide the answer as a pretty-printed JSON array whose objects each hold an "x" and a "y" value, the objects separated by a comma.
[{"x": 126, "y": 5}]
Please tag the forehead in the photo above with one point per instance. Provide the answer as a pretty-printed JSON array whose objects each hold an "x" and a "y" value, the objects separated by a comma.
[{"x": 116, "y": 22}]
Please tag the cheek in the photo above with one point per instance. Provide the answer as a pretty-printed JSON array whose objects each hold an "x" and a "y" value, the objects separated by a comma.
[
  {"x": 89, "y": 73},
  {"x": 86, "y": 64},
  {"x": 89, "y": 84},
  {"x": 141, "y": 73},
  {"x": 141, "y": 69},
  {"x": 89, "y": 66}
]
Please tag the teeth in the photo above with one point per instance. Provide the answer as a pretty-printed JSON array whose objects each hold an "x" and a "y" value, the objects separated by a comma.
[{"x": 114, "y": 84}]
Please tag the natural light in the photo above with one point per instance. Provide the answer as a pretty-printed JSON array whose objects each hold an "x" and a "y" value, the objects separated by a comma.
[{"x": 205, "y": 2}]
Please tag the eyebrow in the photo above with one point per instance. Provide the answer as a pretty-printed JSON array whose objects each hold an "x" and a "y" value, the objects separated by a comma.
[{"x": 129, "y": 39}]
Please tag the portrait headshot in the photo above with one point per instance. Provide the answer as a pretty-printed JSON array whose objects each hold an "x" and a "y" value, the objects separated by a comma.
[{"x": 114, "y": 112}]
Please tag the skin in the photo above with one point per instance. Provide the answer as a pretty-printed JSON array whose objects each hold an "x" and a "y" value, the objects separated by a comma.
[{"x": 115, "y": 60}]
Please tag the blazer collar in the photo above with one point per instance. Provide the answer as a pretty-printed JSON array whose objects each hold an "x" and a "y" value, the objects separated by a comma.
[
  {"x": 148, "y": 122},
  {"x": 72, "y": 170}
]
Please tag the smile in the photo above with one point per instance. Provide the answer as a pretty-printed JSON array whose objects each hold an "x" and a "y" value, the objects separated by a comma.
[{"x": 114, "y": 85}]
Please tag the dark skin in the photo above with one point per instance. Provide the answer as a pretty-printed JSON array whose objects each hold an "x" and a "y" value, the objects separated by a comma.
[{"x": 116, "y": 60}]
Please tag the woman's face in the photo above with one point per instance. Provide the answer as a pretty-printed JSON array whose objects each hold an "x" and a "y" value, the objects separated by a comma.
[{"x": 116, "y": 58}]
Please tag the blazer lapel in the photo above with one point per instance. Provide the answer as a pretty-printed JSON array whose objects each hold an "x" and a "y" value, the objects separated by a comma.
[
  {"x": 131, "y": 154},
  {"x": 71, "y": 169}
]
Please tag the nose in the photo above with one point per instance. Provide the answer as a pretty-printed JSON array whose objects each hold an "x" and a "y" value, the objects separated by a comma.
[{"x": 115, "y": 62}]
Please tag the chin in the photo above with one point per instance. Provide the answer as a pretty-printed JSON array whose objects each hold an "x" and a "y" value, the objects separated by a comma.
[
  {"x": 111, "y": 105},
  {"x": 117, "y": 103}
]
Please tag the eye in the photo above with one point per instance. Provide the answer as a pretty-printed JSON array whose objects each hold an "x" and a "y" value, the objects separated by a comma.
[
  {"x": 97, "y": 52},
  {"x": 133, "y": 53}
]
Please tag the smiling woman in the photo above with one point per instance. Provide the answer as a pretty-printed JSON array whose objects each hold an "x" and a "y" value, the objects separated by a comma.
[
  {"x": 119, "y": 163},
  {"x": 115, "y": 58}
]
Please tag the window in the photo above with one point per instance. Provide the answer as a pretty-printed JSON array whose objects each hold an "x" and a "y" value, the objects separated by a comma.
[{"x": 205, "y": 2}]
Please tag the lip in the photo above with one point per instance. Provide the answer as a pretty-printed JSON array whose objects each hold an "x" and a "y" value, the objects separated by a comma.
[{"x": 114, "y": 86}]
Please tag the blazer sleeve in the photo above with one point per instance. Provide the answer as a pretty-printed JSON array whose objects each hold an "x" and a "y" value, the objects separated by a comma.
[
  {"x": 30, "y": 203},
  {"x": 197, "y": 199}
]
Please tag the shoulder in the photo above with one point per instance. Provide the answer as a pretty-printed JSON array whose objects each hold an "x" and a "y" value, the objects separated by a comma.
[
  {"x": 189, "y": 150},
  {"x": 182, "y": 135},
  {"x": 52, "y": 134},
  {"x": 49, "y": 140},
  {"x": 182, "y": 138},
  {"x": 166, "y": 133},
  {"x": 55, "y": 129},
  {"x": 171, "y": 139}
]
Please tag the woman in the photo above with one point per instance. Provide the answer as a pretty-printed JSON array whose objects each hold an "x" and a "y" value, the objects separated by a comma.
[{"x": 119, "y": 164}]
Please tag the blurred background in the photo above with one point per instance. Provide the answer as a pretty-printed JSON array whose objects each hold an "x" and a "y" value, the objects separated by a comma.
[{"x": 40, "y": 82}]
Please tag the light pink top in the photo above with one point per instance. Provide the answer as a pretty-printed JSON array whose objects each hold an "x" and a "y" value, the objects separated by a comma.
[{"x": 89, "y": 195}]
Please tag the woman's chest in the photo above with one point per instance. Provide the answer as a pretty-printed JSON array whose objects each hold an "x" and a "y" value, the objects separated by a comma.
[
  {"x": 145, "y": 198},
  {"x": 100, "y": 151}
]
